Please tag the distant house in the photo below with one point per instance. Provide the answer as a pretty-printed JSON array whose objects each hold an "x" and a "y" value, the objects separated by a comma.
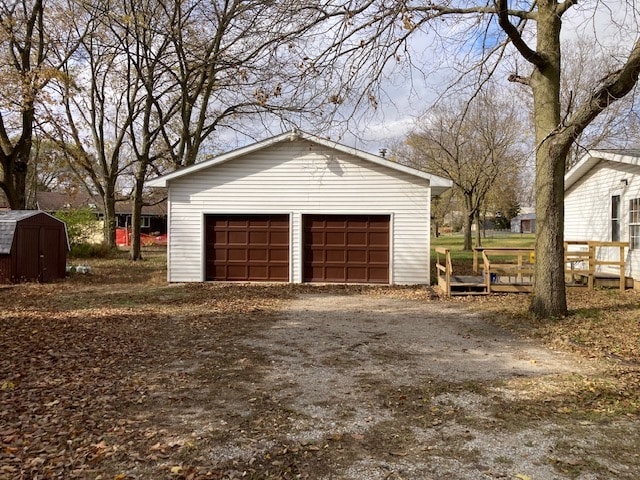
[
  {"x": 602, "y": 202},
  {"x": 299, "y": 208},
  {"x": 524, "y": 223},
  {"x": 33, "y": 247},
  {"x": 154, "y": 217}
]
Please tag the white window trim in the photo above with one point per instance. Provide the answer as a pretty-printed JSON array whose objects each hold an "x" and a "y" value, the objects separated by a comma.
[{"x": 634, "y": 224}]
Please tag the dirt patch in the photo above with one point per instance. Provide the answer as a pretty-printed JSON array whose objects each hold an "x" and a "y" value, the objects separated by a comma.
[{"x": 246, "y": 381}]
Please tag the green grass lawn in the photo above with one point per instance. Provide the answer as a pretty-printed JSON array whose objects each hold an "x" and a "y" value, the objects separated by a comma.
[{"x": 462, "y": 261}]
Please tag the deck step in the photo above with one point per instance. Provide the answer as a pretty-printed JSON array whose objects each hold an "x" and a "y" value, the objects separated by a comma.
[{"x": 467, "y": 293}]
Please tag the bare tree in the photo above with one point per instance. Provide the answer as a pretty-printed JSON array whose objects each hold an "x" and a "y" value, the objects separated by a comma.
[
  {"x": 34, "y": 45},
  {"x": 235, "y": 63},
  {"x": 147, "y": 54},
  {"x": 199, "y": 67},
  {"x": 372, "y": 34},
  {"x": 583, "y": 66},
  {"x": 474, "y": 145},
  {"x": 112, "y": 125},
  {"x": 93, "y": 125}
]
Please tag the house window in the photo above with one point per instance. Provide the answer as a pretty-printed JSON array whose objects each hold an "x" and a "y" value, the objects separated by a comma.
[
  {"x": 634, "y": 224},
  {"x": 615, "y": 218},
  {"x": 124, "y": 221}
]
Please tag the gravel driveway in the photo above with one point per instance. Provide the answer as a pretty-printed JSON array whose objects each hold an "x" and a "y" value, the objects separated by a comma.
[{"x": 386, "y": 388}]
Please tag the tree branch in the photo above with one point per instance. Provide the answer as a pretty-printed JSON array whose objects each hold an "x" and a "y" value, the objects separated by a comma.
[
  {"x": 614, "y": 86},
  {"x": 514, "y": 35},
  {"x": 519, "y": 79},
  {"x": 561, "y": 8},
  {"x": 439, "y": 10}
]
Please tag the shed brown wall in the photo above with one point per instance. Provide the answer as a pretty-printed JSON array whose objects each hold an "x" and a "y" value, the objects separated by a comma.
[
  {"x": 38, "y": 253},
  {"x": 6, "y": 268}
]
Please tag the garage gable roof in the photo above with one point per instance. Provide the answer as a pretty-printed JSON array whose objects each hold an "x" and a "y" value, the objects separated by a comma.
[
  {"x": 594, "y": 157},
  {"x": 438, "y": 184}
]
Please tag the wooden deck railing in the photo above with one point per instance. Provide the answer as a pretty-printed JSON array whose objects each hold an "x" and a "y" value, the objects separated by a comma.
[
  {"x": 443, "y": 272},
  {"x": 477, "y": 251},
  {"x": 583, "y": 258},
  {"x": 512, "y": 268}
]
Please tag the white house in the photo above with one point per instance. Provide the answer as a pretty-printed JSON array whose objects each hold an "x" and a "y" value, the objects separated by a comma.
[
  {"x": 298, "y": 208},
  {"x": 602, "y": 202}
]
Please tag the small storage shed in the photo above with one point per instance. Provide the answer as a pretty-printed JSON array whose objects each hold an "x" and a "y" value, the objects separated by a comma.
[
  {"x": 525, "y": 223},
  {"x": 299, "y": 208},
  {"x": 33, "y": 247},
  {"x": 602, "y": 203}
]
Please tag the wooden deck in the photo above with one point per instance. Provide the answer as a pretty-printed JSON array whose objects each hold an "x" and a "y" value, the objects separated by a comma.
[{"x": 511, "y": 270}]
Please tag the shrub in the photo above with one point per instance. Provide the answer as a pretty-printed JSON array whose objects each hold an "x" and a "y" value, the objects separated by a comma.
[
  {"x": 91, "y": 250},
  {"x": 81, "y": 224}
]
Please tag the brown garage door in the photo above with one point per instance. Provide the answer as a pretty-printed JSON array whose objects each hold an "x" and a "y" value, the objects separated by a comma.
[
  {"x": 346, "y": 248},
  {"x": 247, "y": 247}
]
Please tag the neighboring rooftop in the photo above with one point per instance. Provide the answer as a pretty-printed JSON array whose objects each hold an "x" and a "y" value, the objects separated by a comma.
[{"x": 55, "y": 201}]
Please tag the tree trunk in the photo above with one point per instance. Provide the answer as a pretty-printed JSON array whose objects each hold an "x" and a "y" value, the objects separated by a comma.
[
  {"x": 435, "y": 202},
  {"x": 549, "y": 296},
  {"x": 109, "y": 201},
  {"x": 136, "y": 215},
  {"x": 468, "y": 221},
  {"x": 136, "y": 221},
  {"x": 478, "y": 231},
  {"x": 14, "y": 179}
]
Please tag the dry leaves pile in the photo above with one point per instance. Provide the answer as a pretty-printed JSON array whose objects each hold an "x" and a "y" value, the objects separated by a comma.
[{"x": 78, "y": 363}]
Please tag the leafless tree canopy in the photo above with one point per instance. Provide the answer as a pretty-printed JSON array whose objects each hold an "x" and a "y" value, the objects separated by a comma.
[
  {"x": 476, "y": 145},
  {"x": 154, "y": 81},
  {"x": 33, "y": 49},
  {"x": 586, "y": 65}
]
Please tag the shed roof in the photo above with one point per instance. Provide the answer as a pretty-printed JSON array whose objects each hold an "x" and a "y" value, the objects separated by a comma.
[
  {"x": 629, "y": 156},
  {"x": 8, "y": 221},
  {"x": 438, "y": 184}
]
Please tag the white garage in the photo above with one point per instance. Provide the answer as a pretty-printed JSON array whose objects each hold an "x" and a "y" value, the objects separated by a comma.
[{"x": 298, "y": 208}]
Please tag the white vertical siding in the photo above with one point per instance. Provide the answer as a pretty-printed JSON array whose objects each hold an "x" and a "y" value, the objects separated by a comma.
[
  {"x": 300, "y": 178},
  {"x": 296, "y": 246},
  {"x": 588, "y": 207}
]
